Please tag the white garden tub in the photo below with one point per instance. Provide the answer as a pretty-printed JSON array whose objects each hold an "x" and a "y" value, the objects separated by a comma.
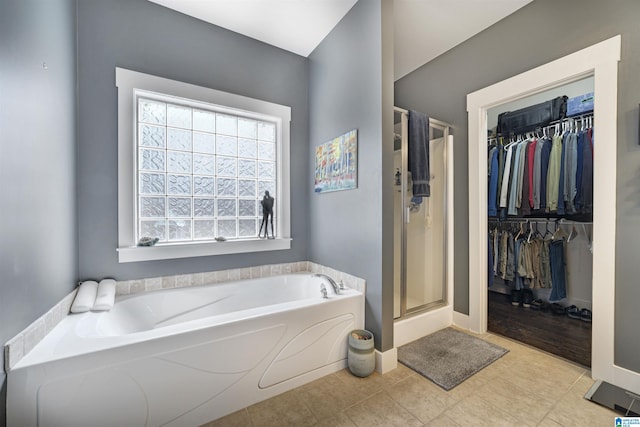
[{"x": 182, "y": 357}]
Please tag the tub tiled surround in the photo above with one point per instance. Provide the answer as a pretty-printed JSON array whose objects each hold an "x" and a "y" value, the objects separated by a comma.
[
  {"x": 23, "y": 343},
  {"x": 16, "y": 348},
  {"x": 167, "y": 282}
]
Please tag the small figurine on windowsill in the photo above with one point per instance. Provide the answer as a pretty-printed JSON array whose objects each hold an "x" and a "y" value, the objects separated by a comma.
[
  {"x": 267, "y": 215},
  {"x": 148, "y": 241}
]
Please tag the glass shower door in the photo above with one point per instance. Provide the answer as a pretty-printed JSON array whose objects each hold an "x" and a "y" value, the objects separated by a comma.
[
  {"x": 419, "y": 232},
  {"x": 425, "y": 231}
]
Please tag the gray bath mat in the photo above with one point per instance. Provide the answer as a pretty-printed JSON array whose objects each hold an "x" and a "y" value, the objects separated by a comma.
[{"x": 448, "y": 357}]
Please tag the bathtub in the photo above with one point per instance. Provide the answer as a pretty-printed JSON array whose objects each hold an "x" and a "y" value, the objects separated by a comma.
[{"x": 183, "y": 357}]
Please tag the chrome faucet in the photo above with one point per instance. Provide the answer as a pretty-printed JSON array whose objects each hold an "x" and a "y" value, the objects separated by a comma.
[
  {"x": 332, "y": 282},
  {"x": 323, "y": 291}
]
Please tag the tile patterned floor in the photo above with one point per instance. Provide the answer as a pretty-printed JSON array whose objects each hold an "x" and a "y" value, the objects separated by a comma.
[{"x": 526, "y": 387}]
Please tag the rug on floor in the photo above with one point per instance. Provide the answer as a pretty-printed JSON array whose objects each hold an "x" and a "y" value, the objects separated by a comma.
[{"x": 448, "y": 357}]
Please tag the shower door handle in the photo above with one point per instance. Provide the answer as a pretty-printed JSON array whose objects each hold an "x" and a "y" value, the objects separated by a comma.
[{"x": 408, "y": 217}]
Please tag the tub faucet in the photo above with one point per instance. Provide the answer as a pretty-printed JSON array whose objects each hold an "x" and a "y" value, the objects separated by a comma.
[{"x": 332, "y": 282}]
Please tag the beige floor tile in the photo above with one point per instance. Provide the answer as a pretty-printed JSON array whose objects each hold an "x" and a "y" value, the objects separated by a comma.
[
  {"x": 473, "y": 411},
  {"x": 367, "y": 386},
  {"x": 574, "y": 410},
  {"x": 400, "y": 373},
  {"x": 338, "y": 420},
  {"x": 469, "y": 386},
  {"x": 544, "y": 375},
  {"x": 529, "y": 408},
  {"x": 496, "y": 369},
  {"x": 380, "y": 410},
  {"x": 237, "y": 419},
  {"x": 329, "y": 395},
  {"x": 287, "y": 409},
  {"x": 442, "y": 421},
  {"x": 547, "y": 422},
  {"x": 505, "y": 342},
  {"x": 377, "y": 380},
  {"x": 423, "y": 399},
  {"x": 516, "y": 349},
  {"x": 582, "y": 386}
]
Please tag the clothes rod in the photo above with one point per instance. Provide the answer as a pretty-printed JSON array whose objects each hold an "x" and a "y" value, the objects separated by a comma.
[{"x": 538, "y": 220}]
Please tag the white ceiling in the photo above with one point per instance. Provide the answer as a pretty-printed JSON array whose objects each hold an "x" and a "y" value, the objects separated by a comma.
[{"x": 424, "y": 29}]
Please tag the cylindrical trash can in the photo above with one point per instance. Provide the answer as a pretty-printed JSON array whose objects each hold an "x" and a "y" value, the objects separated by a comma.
[{"x": 361, "y": 357}]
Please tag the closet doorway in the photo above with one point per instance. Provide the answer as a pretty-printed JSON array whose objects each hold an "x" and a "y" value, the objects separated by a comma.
[
  {"x": 601, "y": 62},
  {"x": 522, "y": 301}
]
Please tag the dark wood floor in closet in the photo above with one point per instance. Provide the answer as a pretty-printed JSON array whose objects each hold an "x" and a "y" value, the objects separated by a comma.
[{"x": 557, "y": 334}]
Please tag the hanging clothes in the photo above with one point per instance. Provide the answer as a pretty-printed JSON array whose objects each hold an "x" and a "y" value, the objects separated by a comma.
[
  {"x": 553, "y": 173},
  {"x": 545, "y": 154},
  {"x": 491, "y": 275},
  {"x": 561, "y": 180},
  {"x": 558, "y": 277},
  {"x": 493, "y": 181},
  {"x": 529, "y": 260},
  {"x": 542, "y": 175},
  {"x": 504, "y": 191},
  {"x": 545, "y": 265}
]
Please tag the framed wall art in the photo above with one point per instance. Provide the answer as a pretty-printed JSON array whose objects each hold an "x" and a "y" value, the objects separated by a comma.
[{"x": 336, "y": 163}]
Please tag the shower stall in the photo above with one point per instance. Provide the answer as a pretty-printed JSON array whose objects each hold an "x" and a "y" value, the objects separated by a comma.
[{"x": 420, "y": 224}]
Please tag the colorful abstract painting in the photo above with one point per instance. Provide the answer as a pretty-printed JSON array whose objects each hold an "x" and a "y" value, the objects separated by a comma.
[{"x": 337, "y": 164}]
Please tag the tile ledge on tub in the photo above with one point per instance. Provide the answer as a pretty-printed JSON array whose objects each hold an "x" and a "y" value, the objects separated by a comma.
[{"x": 21, "y": 344}]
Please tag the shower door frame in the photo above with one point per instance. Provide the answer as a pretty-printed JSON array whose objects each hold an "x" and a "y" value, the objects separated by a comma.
[{"x": 446, "y": 298}]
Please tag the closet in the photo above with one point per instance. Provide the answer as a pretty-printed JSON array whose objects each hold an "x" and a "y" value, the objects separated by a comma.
[{"x": 540, "y": 217}]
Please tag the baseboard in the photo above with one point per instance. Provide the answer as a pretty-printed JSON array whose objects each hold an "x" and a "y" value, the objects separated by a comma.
[
  {"x": 461, "y": 320},
  {"x": 386, "y": 361},
  {"x": 626, "y": 379},
  {"x": 421, "y": 325}
]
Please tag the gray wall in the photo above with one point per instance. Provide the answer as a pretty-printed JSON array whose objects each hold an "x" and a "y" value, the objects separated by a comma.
[
  {"x": 142, "y": 36},
  {"x": 38, "y": 253},
  {"x": 346, "y": 92},
  {"x": 440, "y": 87}
]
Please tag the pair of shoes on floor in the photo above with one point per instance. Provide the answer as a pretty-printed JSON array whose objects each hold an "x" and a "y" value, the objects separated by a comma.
[
  {"x": 558, "y": 309},
  {"x": 538, "y": 304},
  {"x": 575, "y": 313},
  {"x": 522, "y": 296},
  {"x": 527, "y": 297},
  {"x": 516, "y": 297}
]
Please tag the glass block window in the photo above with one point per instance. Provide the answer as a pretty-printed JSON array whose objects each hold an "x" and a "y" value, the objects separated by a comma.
[{"x": 201, "y": 170}]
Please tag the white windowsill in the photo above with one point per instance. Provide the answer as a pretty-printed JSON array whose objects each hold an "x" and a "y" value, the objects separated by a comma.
[{"x": 196, "y": 249}]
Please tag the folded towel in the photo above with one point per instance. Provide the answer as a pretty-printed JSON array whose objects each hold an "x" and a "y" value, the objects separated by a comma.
[
  {"x": 419, "y": 153},
  {"x": 106, "y": 295},
  {"x": 85, "y": 297}
]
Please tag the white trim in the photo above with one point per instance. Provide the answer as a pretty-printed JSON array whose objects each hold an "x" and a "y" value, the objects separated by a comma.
[
  {"x": 450, "y": 222},
  {"x": 601, "y": 61},
  {"x": 461, "y": 320},
  {"x": 195, "y": 249},
  {"x": 386, "y": 361},
  {"x": 128, "y": 82},
  {"x": 625, "y": 379},
  {"x": 415, "y": 327}
]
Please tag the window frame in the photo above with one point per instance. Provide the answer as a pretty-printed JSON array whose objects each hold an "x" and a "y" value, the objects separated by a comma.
[{"x": 130, "y": 84}]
